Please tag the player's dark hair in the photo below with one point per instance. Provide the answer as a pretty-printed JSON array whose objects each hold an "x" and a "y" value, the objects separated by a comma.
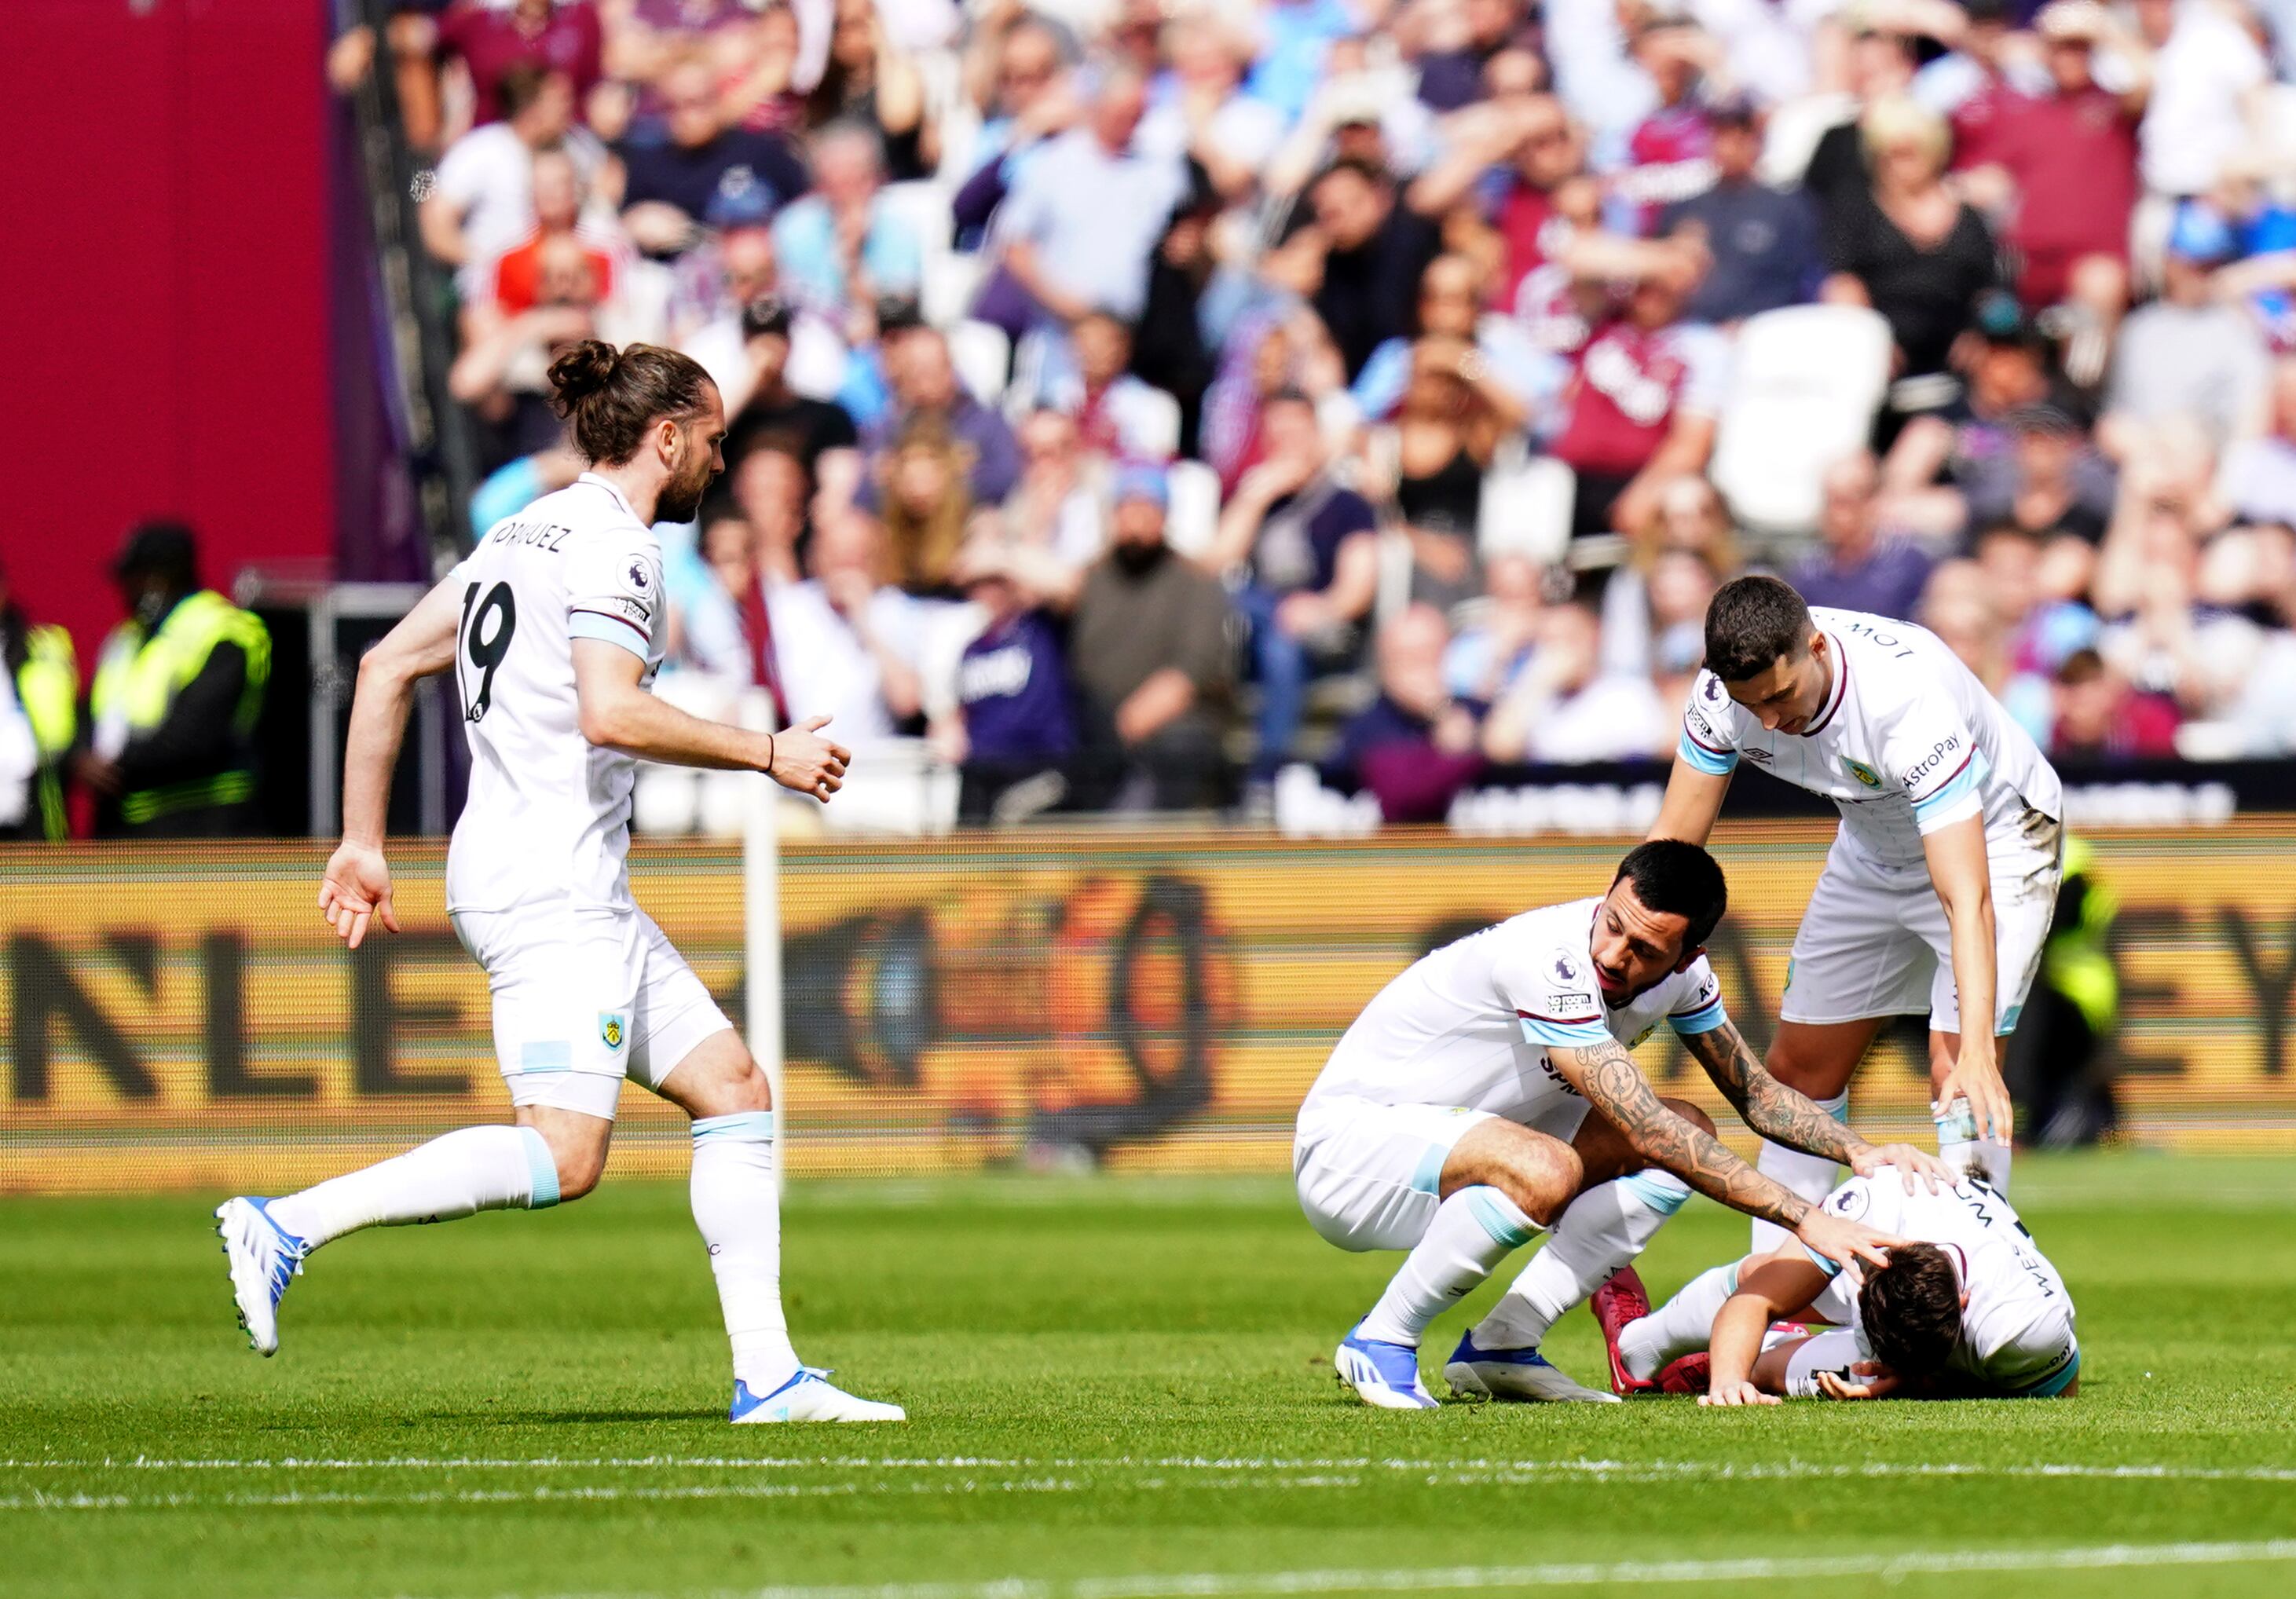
[
  {"x": 1911, "y": 1310},
  {"x": 1678, "y": 879},
  {"x": 611, "y": 396},
  {"x": 1749, "y": 623}
]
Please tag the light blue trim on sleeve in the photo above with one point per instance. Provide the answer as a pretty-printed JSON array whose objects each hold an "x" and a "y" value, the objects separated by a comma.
[
  {"x": 610, "y": 630},
  {"x": 1703, "y": 1019},
  {"x": 541, "y": 1171},
  {"x": 1565, "y": 1035},
  {"x": 2050, "y": 1387},
  {"x": 1832, "y": 1269},
  {"x": 1963, "y": 786},
  {"x": 1495, "y": 1221},
  {"x": 1703, "y": 759},
  {"x": 743, "y": 1127}
]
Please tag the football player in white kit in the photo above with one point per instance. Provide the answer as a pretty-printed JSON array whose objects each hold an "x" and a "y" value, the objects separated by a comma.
[
  {"x": 1970, "y": 1310},
  {"x": 1937, "y": 892},
  {"x": 554, "y": 628},
  {"x": 1453, "y": 1121}
]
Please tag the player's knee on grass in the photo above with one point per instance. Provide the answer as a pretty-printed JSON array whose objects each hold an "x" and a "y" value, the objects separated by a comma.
[{"x": 1540, "y": 1174}]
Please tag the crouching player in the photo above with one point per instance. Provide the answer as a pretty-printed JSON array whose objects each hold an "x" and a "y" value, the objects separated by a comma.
[
  {"x": 1452, "y": 1120},
  {"x": 1970, "y": 1310}
]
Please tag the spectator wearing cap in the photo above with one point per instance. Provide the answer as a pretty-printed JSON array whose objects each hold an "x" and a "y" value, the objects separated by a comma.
[
  {"x": 843, "y": 246},
  {"x": 1083, "y": 214},
  {"x": 1565, "y": 710},
  {"x": 1858, "y": 567},
  {"x": 698, "y": 167},
  {"x": 2189, "y": 354},
  {"x": 1149, "y": 652},
  {"x": 1907, "y": 246},
  {"x": 2070, "y": 156},
  {"x": 1414, "y": 746},
  {"x": 494, "y": 40},
  {"x": 178, "y": 689},
  {"x": 482, "y": 200},
  {"x": 2260, "y": 474},
  {"x": 1012, "y": 729},
  {"x": 923, "y": 382},
  {"x": 775, "y": 416},
  {"x": 1762, "y": 242},
  {"x": 1311, "y": 547},
  {"x": 1640, "y": 407}
]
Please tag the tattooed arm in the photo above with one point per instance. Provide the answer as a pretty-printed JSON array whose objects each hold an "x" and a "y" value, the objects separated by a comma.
[
  {"x": 1784, "y": 1116},
  {"x": 1619, "y": 1093}
]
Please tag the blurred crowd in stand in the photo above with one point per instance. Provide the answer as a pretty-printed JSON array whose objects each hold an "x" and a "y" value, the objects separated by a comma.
[{"x": 1137, "y": 403}]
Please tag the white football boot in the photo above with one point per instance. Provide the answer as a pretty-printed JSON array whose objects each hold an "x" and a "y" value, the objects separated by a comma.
[
  {"x": 264, "y": 1258},
  {"x": 808, "y": 1397},
  {"x": 1514, "y": 1374}
]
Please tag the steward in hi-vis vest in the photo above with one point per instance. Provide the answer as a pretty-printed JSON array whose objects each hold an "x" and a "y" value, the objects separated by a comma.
[{"x": 177, "y": 690}]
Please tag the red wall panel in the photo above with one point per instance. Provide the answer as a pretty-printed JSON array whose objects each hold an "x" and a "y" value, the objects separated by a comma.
[{"x": 164, "y": 254}]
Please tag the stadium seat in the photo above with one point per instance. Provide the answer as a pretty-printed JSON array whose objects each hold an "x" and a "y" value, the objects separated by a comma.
[
  {"x": 1194, "y": 513},
  {"x": 1804, "y": 383},
  {"x": 1526, "y": 509},
  {"x": 982, "y": 355},
  {"x": 1163, "y": 433},
  {"x": 951, "y": 281}
]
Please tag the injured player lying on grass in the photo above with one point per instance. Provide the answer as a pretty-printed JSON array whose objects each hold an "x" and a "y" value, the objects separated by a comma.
[{"x": 1970, "y": 1310}]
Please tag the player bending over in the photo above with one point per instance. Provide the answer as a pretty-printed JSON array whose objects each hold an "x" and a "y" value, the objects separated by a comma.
[
  {"x": 1452, "y": 1120},
  {"x": 1937, "y": 892},
  {"x": 553, "y": 627},
  {"x": 1971, "y": 1309}
]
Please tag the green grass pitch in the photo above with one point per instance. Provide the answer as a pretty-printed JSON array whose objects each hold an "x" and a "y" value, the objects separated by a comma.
[{"x": 1121, "y": 1389}]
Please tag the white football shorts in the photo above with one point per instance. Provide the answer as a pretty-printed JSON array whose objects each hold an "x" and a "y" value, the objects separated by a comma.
[
  {"x": 583, "y": 999},
  {"x": 1370, "y": 1175},
  {"x": 1875, "y": 942}
]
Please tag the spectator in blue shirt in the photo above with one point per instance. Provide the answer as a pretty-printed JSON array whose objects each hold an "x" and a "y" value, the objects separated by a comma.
[
  {"x": 1858, "y": 567},
  {"x": 1764, "y": 242}
]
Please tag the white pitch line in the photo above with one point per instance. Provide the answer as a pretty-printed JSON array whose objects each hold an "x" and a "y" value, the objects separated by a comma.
[
  {"x": 1225, "y": 1585},
  {"x": 1456, "y": 1472}
]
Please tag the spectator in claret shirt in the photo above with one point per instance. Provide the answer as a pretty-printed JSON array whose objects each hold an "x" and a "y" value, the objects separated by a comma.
[
  {"x": 1413, "y": 747},
  {"x": 2071, "y": 154},
  {"x": 696, "y": 163},
  {"x": 492, "y": 39},
  {"x": 1671, "y": 153},
  {"x": 1641, "y": 404},
  {"x": 1762, "y": 241}
]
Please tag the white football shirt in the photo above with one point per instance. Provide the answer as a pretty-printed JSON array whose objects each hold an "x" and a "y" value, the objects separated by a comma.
[
  {"x": 2017, "y": 1329},
  {"x": 548, "y": 816},
  {"x": 1908, "y": 741},
  {"x": 1469, "y": 1024}
]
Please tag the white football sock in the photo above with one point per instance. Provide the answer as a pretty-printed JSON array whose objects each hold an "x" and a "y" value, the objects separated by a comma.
[
  {"x": 737, "y": 1205},
  {"x": 457, "y": 1175},
  {"x": 1473, "y": 1230},
  {"x": 1960, "y": 1147},
  {"x": 1604, "y": 1228},
  {"x": 1812, "y": 1176},
  {"x": 1681, "y": 1326}
]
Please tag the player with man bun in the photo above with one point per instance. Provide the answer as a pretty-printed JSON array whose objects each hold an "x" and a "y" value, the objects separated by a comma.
[
  {"x": 1938, "y": 893},
  {"x": 553, "y": 627}
]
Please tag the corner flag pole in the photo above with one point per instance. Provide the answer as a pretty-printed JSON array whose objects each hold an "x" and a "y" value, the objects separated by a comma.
[{"x": 761, "y": 926}]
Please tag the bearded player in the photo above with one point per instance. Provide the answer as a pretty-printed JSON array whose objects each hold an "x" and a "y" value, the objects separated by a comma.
[
  {"x": 1938, "y": 893},
  {"x": 553, "y": 627},
  {"x": 1487, "y": 1094}
]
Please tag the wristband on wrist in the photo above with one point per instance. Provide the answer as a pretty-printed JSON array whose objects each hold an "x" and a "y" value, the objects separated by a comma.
[{"x": 770, "y": 755}]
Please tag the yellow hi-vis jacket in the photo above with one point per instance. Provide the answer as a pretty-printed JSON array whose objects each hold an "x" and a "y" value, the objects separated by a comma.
[
  {"x": 138, "y": 678},
  {"x": 47, "y": 686}
]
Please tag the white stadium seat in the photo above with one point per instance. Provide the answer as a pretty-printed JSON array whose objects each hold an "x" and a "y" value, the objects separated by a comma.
[
  {"x": 983, "y": 354},
  {"x": 1195, "y": 515},
  {"x": 1804, "y": 385}
]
